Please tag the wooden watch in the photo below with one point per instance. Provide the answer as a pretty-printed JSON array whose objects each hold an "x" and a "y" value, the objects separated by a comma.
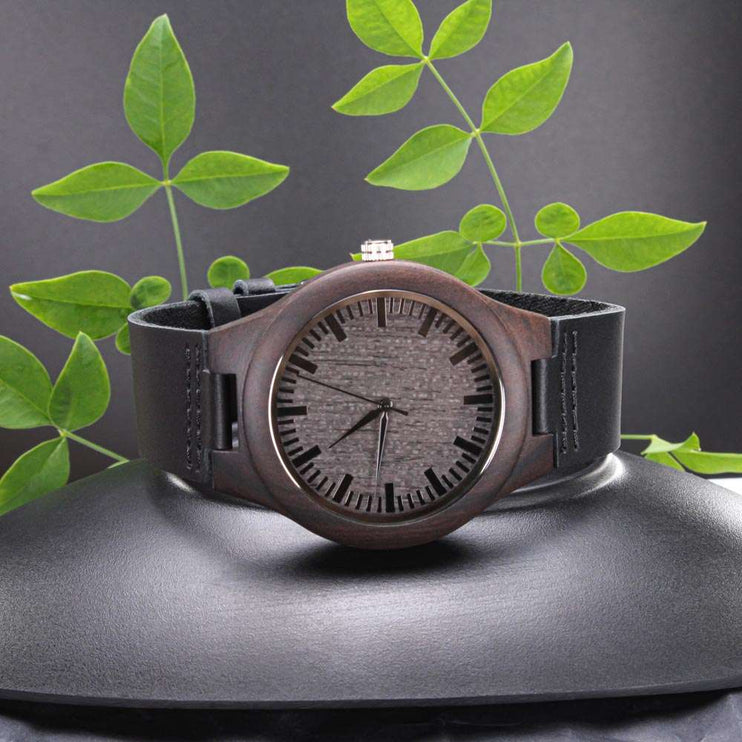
[{"x": 382, "y": 404}]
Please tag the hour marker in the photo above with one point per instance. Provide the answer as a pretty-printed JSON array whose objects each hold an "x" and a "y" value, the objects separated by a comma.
[
  {"x": 468, "y": 446},
  {"x": 334, "y": 326},
  {"x": 435, "y": 482},
  {"x": 478, "y": 399},
  {"x": 389, "y": 497},
  {"x": 291, "y": 411},
  {"x": 308, "y": 455},
  {"x": 425, "y": 327},
  {"x": 307, "y": 365},
  {"x": 381, "y": 311},
  {"x": 343, "y": 488},
  {"x": 465, "y": 352}
]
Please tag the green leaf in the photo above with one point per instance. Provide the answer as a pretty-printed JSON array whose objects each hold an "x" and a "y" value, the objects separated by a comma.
[
  {"x": 660, "y": 445},
  {"x": 446, "y": 251},
  {"x": 103, "y": 192},
  {"x": 225, "y": 180},
  {"x": 44, "y": 468},
  {"x": 462, "y": 29},
  {"x": 521, "y": 100},
  {"x": 428, "y": 159},
  {"x": 25, "y": 387},
  {"x": 557, "y": 220},
  {"x": 388, "y": 26},
  {"x": 666, "y": 459},
  {"x": 688, "y": 454},
  {"x": 82, "y": 391},
  {"x": 292, "y": 274},
  {"x": 93, "y": 302},
  {"x": 123, "y": 341},
  {"x": 707, "y": 462},
  {"x": 475, "y": 268},
  {"x": 563, "y": 273},
  {"x": 482, "y": 223},
  {"x": 149, "y": 292},
  {"x": 383, "y": 90},
  {"x": 634, "y": 240},
  {"x": 159, "y": 97},
  {"x": 223, "y": 272}
]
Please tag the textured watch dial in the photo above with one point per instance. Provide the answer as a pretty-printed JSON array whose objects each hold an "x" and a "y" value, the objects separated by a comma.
[{"x": 386, "y": 406}]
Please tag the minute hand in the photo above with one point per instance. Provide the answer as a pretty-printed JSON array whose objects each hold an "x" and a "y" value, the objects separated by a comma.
[
  {"x": 350, "y": 394},
  {"x": 369, "y": 417}
]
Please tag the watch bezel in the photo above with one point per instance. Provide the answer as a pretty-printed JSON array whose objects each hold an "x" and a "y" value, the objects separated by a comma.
[{"x": 494, "y": 324}]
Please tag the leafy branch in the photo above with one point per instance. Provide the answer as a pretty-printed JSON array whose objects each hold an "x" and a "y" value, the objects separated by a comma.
[
  {"x": 519, "y": 102},
  {"x": 160, "y": 107},
  {"x": 28, "y": 399}
]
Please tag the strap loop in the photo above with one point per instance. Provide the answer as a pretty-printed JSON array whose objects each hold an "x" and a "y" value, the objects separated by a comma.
[
  {"x": 220, "y": 304},
  {"x": 253, "y": 286}
]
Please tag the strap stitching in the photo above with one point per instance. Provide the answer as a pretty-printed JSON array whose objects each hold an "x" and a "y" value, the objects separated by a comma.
[
  {"x": 188, "y": 424},
  {"x": 563, "y": 396},
  {"x": 568, "y": 418},
  {"x": 575, "y": 424},
  {"x": 199, "y": 440}
]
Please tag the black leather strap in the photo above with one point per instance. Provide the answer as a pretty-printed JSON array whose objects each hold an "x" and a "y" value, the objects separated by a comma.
[{"x": 576, "y": 392}]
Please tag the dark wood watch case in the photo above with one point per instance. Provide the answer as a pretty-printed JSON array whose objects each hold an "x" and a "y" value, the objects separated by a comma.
[{"x": 252, "y": 348}]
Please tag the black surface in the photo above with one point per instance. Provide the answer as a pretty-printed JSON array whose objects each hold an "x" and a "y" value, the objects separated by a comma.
[
  {"x": 692, "y": 717},
  {"x": 649, "y": 121},
  {"x": 130, "y": 588}
]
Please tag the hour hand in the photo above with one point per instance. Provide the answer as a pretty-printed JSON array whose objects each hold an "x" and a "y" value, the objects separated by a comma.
[{"x": 369, "y": 417}]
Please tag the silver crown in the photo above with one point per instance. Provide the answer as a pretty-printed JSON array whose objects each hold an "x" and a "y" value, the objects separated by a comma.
[{"x": 373, "y": 250}]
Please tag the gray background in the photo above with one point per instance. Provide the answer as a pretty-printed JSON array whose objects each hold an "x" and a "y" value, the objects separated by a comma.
[{"x": 649, "y": 121}]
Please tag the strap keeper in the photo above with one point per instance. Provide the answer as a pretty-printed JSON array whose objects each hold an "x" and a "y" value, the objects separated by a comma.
[
  {"x": 220, "y": 304},
  {"x": 253, "y": 286}
]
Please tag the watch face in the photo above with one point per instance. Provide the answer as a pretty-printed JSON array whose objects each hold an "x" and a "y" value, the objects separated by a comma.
[{"x": 386, "y": 406}]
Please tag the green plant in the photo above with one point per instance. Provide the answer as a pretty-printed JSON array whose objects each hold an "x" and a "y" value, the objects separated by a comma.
[
  {"x": 28, "y": 399},
  {"x": 519, "y": 102},
  {"x": 688, "y": 455},
  {"x": 159, "y": 104},
  {"x": 160, "y": 107}
]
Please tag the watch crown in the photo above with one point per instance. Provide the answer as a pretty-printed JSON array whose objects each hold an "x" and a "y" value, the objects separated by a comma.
[{"x": 373, "y": 250}]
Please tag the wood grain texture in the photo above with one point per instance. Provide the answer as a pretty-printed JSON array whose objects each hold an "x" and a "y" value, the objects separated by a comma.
[{"x": 396, "y": 346}]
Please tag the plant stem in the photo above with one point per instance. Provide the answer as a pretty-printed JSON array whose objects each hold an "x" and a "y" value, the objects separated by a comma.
[
  {"x": 491, "y": 167},
  {"x": 94, "y": 446},
  {"x": 635, "y": 437},
  {"x": 176, "y": 232},
  {"x": 518, "y": 269},
  {"x": 526, "y": 243},
  {"x": 545, "y": 241}
]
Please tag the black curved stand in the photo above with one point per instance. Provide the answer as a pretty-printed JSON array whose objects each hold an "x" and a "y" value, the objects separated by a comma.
[{"x": 129, "y": 588}]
